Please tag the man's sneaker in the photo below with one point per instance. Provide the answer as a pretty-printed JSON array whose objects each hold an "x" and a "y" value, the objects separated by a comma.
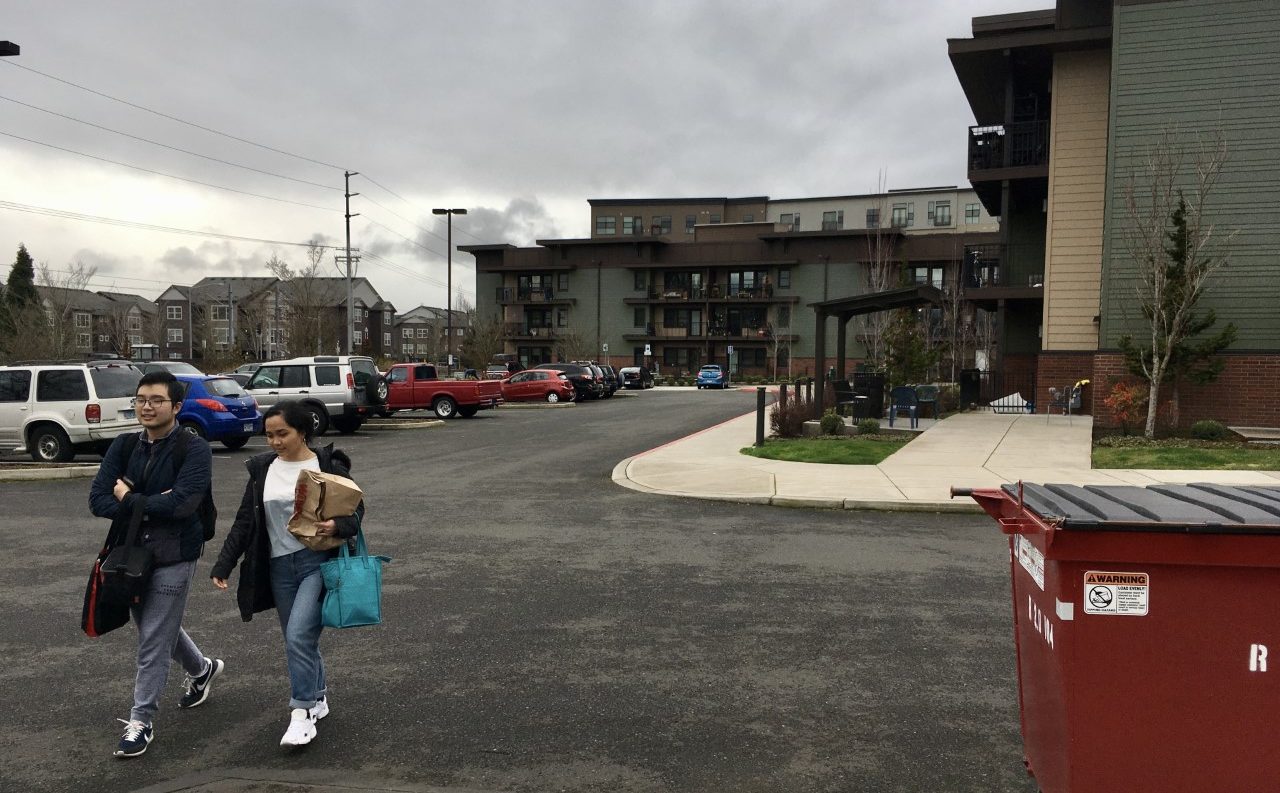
[
  {"x": 198, "y": 687},
  {"x": 137, "y": 736},
  {"x": 320, "y": 710},
  {"x": 302, "y": 728}
]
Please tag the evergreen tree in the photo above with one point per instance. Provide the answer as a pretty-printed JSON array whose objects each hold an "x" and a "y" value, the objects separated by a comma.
[{"x": 20, "y": 289}]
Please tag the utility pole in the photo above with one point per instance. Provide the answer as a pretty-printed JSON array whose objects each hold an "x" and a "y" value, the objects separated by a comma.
[
  {"x": 351, "y": 302},
  {"x": 231, "y": 319}
]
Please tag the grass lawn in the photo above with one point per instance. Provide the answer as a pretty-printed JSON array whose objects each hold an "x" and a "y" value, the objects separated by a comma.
[
  {"x": 840, "y": 451},
  {"x": 1173, "y": 457}
]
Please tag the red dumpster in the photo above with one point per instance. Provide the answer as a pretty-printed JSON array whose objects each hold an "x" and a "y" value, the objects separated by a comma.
[{"x": 1145, "y": 622}]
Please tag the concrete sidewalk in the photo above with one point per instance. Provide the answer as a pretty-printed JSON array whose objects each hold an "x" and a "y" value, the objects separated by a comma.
[{"x": 964, "y": 450}]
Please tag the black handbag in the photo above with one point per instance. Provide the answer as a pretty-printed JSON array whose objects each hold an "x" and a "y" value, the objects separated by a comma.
[{"x": 119, "y": 577}]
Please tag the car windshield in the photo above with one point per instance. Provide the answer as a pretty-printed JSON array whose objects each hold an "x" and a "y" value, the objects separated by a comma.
[
  {"x": 115, "y": 381},
  {"x": 711, "y": 370},
  {"x": 223, "y": 387}
]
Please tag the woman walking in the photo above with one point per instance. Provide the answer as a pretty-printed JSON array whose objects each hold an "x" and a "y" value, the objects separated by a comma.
[{"x": 279, "y": 571}]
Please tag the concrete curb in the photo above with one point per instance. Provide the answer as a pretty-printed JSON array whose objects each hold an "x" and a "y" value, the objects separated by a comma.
[
  {"x": 536, "y": 405},
  {"x": 38, "y": 474},
  {"x": 402, "y": 425}
]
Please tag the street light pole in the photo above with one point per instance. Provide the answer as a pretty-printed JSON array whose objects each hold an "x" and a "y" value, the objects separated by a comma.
[
  {"x": 448, "y": 309},
  {"x": 351, "y": 313}
]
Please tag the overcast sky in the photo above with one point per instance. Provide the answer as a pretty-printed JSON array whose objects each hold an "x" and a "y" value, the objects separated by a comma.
[{"x": 517, "y": 111}]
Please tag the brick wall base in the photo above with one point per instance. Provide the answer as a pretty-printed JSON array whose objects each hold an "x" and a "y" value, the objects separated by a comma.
[{"x": 1245, "y": 393}]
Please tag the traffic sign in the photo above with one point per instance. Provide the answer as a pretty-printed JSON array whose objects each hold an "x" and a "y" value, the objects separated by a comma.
[
  {"x": 731, "y": 349},
  {"x": 604, "y": 347},
  {"x": 648, "y": 350}
]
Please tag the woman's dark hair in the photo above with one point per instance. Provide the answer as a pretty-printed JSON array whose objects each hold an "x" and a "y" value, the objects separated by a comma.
[{"x": 295, "y": 415}]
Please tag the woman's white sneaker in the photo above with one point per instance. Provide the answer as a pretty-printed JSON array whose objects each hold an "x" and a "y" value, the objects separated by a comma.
[
  {"x": 320, "y": 710},
  {"x": 302, "y": 728}
]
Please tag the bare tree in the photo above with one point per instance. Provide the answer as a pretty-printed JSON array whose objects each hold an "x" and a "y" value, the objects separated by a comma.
[
  {"x": 1176, "y": 251},
  {"x": 482, "y": 340},
  {"x": 61, "y": 292},
  {"x": 881, "y": 275},
  {"x": 121, "y": 322},
  {"x": 310, "y": 322},
  {"x": 570, "y": 346}
]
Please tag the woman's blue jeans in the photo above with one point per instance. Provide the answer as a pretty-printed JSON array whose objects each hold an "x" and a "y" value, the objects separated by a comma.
[{"x": 298, "y": 588}]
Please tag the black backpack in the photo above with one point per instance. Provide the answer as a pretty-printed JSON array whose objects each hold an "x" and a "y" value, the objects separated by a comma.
[{"x": 207, "y": 510}]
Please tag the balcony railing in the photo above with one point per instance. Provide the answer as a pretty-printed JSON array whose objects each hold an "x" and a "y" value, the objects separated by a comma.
[
  {"x": 1002, "y": 265},
  {"x": 540, "y": 294},
  {"x": 518, "y": 329},
  {"x": 713, "y": 292},
  {"x": 704, "y": 331},
  {"x": 1009, "y": 146}
]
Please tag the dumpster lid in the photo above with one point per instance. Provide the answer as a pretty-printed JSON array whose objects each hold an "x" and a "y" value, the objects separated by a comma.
[{"x": 1197, "y": 508}]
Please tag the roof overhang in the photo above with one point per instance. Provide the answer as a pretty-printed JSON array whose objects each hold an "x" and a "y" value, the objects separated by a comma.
[{"x": 906, "y": 297}]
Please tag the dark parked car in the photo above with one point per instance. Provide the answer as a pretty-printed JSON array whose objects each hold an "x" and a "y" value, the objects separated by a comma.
[
  {"x": 241, "y": 378},
  {"x": 636, "y": 377},
  {"x": 597, "y": 372},
  {"x": 585, "y": 384},
  {"x": 611, "y": 378}
]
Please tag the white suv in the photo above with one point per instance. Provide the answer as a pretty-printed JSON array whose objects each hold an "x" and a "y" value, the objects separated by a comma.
[
  {"x": 56, "y": 410},
  {"x": 339, "y": 390}
]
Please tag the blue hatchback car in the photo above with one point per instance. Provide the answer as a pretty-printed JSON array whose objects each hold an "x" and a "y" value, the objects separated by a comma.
[
  {"x": 712, "y": 376},
  {"x": 217, "y": 408}
]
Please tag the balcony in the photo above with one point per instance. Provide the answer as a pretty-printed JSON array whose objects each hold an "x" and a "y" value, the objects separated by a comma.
[
  {"x": 714, "y": 292},
  {"x": 1002, "y": 272},
  {"x": 519, "y": 330},
  {"x": 702, "y": 331},
  {"x": 540, "y": 294},
  {"x": 1024, "y": 145}
]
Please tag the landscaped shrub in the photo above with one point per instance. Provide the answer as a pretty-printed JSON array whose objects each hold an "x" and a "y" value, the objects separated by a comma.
[
  {"x": 1209, "y": 430},
  {"x": 869, "y": 427},
  {"x": 831, "y": 423},
  {"x": 787, "y": 419},
  {"x": 1128, "y": 403},
  {"x": 948, "y": 398}
]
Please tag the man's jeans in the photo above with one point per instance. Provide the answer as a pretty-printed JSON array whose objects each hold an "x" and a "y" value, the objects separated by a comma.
[
  {"x": 298, "y": 587},
  {"x": 161, "y": 637}
]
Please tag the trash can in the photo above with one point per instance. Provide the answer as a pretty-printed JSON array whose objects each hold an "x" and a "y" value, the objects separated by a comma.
[{"x": 1144, "y": 619}]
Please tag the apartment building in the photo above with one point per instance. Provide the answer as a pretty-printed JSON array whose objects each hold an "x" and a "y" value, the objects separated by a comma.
[
  {"x": 733, "y": 289},
  {"x": 98, "y": 323},
  {"x": 422, "y": 334},
  {"x": 1067, "y": 103}
]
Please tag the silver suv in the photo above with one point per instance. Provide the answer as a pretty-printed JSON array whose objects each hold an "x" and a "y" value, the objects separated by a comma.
[
  {"x": 55, "y": 410},
  {"x": 339, "y": 390}
]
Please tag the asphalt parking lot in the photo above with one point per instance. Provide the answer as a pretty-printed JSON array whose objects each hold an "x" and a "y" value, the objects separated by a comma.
[{"x": 547, "y": 630}]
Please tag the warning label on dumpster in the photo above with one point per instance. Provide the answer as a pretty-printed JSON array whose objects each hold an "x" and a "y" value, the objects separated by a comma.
[{"x": 1126, "y": 594}]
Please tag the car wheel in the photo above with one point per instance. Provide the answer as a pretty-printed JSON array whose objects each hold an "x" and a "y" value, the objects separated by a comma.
[
  {"x": 378, "y": 393},
  {"x": 193, "y": 428},
  {"x": 346, "y": 426},
  {"x": 49, "y": 444},
  {"x": 445, "y": 407},
  {"x": 237, "y": 442},
  {"x": 468, "y": 412},
  {"x": 319, "y": 420},
  {"x": 552, "y": 396}
]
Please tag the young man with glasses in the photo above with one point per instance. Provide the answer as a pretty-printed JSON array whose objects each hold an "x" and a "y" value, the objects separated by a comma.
[{"x": 172, "y": 531}]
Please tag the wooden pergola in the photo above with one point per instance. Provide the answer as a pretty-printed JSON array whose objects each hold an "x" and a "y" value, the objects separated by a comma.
[{"x": 846, "y": 308}]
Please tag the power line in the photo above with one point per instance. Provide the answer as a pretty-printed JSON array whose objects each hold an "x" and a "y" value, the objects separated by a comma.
[
  {"x": 167, "y": 175},
  {"x": 171, "y": 148},
  {"x": 401, "y": 236},
  {"x": 388, "y": 264},
  {"x": 69, "y": 215},
  {"x": 411, "y": 206},
  {"x": 10, "y": 62}
]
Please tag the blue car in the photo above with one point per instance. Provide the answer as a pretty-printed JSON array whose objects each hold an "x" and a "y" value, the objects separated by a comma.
[
  {"x": 712, "y": 376},
  {"x": 217, "y": 408}
]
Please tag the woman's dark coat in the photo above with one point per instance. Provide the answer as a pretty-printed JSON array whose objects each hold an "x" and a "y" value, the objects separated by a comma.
[{"x": 249, "y": 537}]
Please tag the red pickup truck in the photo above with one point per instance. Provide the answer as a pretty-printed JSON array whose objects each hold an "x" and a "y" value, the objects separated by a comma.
[{"x": 414, "y": 386}]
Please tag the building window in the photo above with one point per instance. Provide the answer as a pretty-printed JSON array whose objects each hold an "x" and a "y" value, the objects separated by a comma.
[
  {"x": 135, "y": 322},
  {"x": 460, "y": 332},
  {"x": 927, "y": 274},
  {"x": 220, "y": 336},
  {"x": 406, "y": 333},
  {"x": 784, "y": 316},
  {"x": 562, "y": 282},
  {"x": 681, "y": 357},
  {"x": 904, "y": 215},
  {"x": 357, "y": 337},
  {"x": 791, "y": 219},
  {"x": 386, "y": 340},
  {"x": 784, "y": 278},
  {"x": 175, "y": 334},
  {"x": 82, "y": 320},
  {"x": 632, "y": 225},
  {"x": 748, "y": 218},
  {"x": 715, "y": 218},
  {"x": 135, "y": 340},
  {"x": 689, "y": 222},
  {"x": 606, "y": 226},
  {"x": 972, "y": 213},
  {"x": 873, "y": 218},
  {"x": 640, "y": 321},
  {"x": 83, "y": 339},
  {"x": 833, "y": 221},
  {"x": 408, "y": 349},
  {"x": 639, "y": 282},
  {"x": 173, "y": 312},
  {"x": 940, "y": 213},
  {"x": 562, "y": 318},
  {"x": 661, "y": 224},
  {"x": 424, "y": 333},
  {"x": 220, "y": 313},
  {"x": 386, "y": 318}
]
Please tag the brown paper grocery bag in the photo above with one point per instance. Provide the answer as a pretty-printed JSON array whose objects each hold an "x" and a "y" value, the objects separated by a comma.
[{"x": 319, "y": 497}]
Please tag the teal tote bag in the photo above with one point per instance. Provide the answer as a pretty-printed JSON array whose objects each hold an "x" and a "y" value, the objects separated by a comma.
[{"x": 352, "y": 587}]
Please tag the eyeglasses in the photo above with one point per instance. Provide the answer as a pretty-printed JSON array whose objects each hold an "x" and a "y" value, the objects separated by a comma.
[{"x": 154, "y": 402}]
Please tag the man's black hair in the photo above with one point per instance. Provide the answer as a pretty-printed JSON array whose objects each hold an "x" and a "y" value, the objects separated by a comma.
[{"x": 173, "y": 384}]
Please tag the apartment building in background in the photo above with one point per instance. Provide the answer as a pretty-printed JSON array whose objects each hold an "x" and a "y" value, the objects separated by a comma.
[
  {"x": 727, "y": 280},
  {"x": 1068, "y": 102}
]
